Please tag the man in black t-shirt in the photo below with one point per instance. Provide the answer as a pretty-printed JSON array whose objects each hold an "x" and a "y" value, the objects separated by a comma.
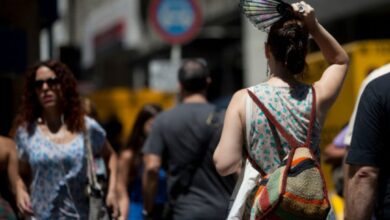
[
  {"x": 184, "y": 138},
  {"x": 369, "y": 154}
]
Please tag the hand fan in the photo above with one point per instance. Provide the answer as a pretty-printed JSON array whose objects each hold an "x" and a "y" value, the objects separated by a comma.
[{"x": 264, "y": 13}]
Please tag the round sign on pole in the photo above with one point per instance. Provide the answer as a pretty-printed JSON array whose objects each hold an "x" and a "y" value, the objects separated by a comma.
[{"x": 176, "y": 21}]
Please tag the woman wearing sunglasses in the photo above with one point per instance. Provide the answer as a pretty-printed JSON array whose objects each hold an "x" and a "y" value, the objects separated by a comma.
[{"x": 50, "y": 132}]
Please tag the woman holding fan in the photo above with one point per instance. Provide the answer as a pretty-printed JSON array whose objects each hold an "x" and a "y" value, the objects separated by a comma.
[{"x": 290, "y": 102}]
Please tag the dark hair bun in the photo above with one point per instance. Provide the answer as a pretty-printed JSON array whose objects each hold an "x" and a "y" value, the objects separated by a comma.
[{"x": 288, "y": 40}]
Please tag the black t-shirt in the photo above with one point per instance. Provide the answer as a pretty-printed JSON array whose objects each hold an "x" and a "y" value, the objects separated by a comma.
[
  {"x": 371, "y": 138},
  {"x": 182, "y": 136}
]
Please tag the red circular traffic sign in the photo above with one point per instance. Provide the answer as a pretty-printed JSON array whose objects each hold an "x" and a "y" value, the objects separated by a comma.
[{"x": 176, "y": 21}]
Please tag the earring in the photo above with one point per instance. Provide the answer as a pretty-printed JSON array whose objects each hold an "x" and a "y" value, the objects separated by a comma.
[{"x": 268, "y": 70}]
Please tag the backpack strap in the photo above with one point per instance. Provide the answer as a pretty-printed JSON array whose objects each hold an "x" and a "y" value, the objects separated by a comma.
[
  {"x": 278, "y": 147},
  {"x": 248, "y": 113},
  {"x": 254, "y": 164},
  {"x": 313, "y": 116},
  {"x": 274, "y": 132},
  {"x": 290, "y": 139}
]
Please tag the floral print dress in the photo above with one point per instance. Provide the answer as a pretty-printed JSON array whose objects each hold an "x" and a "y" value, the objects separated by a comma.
[
  {"x": 59, "y": 171},
  {"x": 292, "y": 108}
]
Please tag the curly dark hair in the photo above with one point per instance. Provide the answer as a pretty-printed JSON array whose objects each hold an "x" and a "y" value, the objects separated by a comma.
[{"x": 30, "y": 108}]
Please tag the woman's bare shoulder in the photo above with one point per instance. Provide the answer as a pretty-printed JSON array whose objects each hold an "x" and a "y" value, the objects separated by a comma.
[
  {"x": 5, "y": 141},
  {"x": 239, "y": 96},
  {"x": 7, "y": 145},
  {"x": 237, "y": 103}
]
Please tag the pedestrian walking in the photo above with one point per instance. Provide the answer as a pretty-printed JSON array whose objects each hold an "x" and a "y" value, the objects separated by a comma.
[
  {"x": 333, "y": 155},
  {"x": 272, "y": 118},
  {"x": 367, "y": 176},
  {"x": 183, "y": 139},
  {"x": 131, "y": 166},
  {"x": 52, "y": 133}
]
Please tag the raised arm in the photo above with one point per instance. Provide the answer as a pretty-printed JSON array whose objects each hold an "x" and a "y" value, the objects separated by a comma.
[
  {"x": 228, "y": 155},
  {"x": 329, "y": 86}
]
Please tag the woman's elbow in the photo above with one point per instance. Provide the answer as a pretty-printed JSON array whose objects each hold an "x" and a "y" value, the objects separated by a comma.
[
  {"x": 222, "y": 170},
  {"x": 226, "y": 161},
  {"x": 343, "y": 59},
  {"x": 218, "y": 162},
  {"x": 152, "y": 164},
  {"x": 222, "y": 166}
]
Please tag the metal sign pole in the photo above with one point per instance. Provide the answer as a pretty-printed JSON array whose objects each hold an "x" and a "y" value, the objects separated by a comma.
[{"x": 176, "y": 54}]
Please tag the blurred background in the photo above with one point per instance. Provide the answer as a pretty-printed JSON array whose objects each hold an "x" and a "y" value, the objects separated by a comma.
[
  {"x": 125, "y": 53},
  {"x": 122, "y": 60}
]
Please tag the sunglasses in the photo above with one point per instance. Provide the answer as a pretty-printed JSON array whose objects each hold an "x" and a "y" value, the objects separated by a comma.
[{"x": 50, "y": 82}]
